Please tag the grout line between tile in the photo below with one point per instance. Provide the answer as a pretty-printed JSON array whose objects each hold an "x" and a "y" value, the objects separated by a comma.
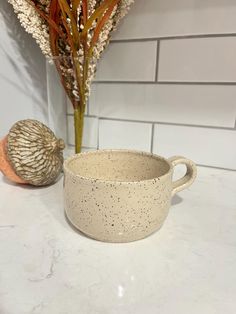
[
  {"x": 196, "y": 83},
  {"x": 98, "y": 130},
  {"x": 152, "y": 137},
  {"x": 173, "y": 37},
  {"x": 163, "y": 123},
  {"x": 166, "y": 83},
  {"x": 213, "y": 167},
  {"x": 88, "y": 104},
  {"x": 123, "y": 82},
  {"x": 86, "y": 147},
  {"x": 90, "y": 116},
  {"x": 157, "y": 60},
  {"x": 86, "y": 116}
]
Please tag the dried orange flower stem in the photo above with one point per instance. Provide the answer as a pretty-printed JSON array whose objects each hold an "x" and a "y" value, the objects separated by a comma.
[{"x": 75, "y": 33}]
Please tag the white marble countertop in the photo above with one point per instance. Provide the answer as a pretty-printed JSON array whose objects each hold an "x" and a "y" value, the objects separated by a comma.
[{"x": 187, "y": 267}]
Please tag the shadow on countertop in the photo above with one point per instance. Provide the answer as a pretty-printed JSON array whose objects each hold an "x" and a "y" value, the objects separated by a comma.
[{"x": 176, "y": 200}]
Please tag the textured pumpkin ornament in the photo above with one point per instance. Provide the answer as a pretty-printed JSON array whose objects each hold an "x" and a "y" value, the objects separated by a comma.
[{"x": 32, "y": 152}]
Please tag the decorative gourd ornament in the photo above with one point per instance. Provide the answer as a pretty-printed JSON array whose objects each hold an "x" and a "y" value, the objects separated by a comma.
[{"x": 31, "y": 154}]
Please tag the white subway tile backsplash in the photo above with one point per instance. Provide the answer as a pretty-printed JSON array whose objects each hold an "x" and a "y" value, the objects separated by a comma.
[
  {"x": 213, "y": 147},
  {"x": 90, "y": 136},
  {"x": 69, "y": 107},
  {"x": 94, "y": 106},
  {"x": 132, "y": 61},
  {"x": 198, "y": 60},
  {"x": 158, "y": 18},
  {"x": 187, "y": 104},
  {"x": 125, "y": 135},
  {"x": 128, "y": 99},
  {"x": 87, "y": 149}
]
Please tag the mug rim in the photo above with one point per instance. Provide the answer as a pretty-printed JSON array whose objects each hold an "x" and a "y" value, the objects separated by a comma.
[{"x": 100, "y": 151}]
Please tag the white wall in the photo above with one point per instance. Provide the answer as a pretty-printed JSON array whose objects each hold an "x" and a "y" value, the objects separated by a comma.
[
  {"x": 22, "y": 73},
  {"x": 167, "y": 83}
]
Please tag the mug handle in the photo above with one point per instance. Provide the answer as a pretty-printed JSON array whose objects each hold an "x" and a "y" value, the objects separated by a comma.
[{"x": 189, "y": 177}]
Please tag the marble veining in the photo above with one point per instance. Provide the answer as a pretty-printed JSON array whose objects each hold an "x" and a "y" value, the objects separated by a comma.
[{"x": 187, "y": 267}]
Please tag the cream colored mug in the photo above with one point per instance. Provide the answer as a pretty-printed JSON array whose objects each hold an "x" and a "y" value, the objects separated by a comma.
[{"x": 121, "y": 195}]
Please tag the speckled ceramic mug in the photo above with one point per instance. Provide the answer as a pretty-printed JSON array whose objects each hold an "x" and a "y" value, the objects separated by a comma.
[{"x": 121, "y": 195}]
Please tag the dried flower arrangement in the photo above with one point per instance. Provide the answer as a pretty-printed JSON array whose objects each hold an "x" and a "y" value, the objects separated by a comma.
[{"x": 76, "y": 31}]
